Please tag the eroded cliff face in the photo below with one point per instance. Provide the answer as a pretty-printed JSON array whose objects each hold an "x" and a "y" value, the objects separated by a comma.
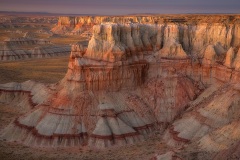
[
  {"x": 107, "y": 97},
  {"x": 133, "y": 79},
  {"x": 145, "y": 19},
  {"x": 194, "y": 33}
]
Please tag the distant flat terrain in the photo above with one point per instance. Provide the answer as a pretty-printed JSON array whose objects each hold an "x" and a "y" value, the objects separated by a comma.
[{"x": 47, "y": 70}]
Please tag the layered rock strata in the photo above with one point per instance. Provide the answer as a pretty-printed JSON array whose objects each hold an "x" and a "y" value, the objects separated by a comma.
[
  {"x": 195, "y": 32},
  {"x": 50, "y": 51},
  {"x": 25, "y": 40},
  {"x": 106, "y": 97},
  {"x": 27, "y": 19},
  {"x": 25, "y": 95},
  {"x": 79, "y": 24},
  {"x": 24, "y": 48},
  {"x": 133, "y": 79}
]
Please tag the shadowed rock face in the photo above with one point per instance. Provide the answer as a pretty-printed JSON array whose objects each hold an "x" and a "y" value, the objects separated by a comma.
[{"x": 131, "y": 80}]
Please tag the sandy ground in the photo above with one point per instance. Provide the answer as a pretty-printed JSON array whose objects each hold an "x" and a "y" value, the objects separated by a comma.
[
  {"x": 51, "y": 71},
  {"x": 46, "y": 70}
]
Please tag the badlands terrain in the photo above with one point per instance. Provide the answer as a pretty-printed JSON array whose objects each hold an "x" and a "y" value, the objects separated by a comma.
[{"x": 123, "y": 87}]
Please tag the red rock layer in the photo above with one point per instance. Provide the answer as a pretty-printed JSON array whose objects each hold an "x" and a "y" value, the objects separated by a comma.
[{"x": 118, "y": 90}]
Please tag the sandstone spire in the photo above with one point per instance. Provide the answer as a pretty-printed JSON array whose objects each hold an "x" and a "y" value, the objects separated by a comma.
[
  {"x": 171, "y": 46},
  {"x": 209, "y": 55},
  {"x": 236, "y": 63},
  {"x": 229, "y": 58}
]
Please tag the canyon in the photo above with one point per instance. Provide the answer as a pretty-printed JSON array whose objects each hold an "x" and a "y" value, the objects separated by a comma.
[
  {"x": 25, "y": 48},
  {"x": 28, "y": 37},
  {"x": 137, "y": 78}
]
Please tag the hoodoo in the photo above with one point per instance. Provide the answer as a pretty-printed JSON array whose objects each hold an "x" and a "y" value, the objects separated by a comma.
[
  {"x": 108, "y": 97},
  {"x": 133, "y": 79}
]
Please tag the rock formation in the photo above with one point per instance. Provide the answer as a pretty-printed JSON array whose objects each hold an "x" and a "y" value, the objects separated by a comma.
[
  {"x": 210, "y": 55},
  {"x": 132, "y": 79},
  {"x": 106, "y": 97},
  {"x": 82, "y": 23},
  {"x": 229, "y": 58},
  {"x": 115, "y": 42},
  {"x": 25, "y": 40},
  {"x": 171, "y": 45},
  {"x": 236, "y": 63},
  {"x": 24, "y": 48},
  {"x": 7, "y": 53},
  {"x": 49, "y": 51},
  {"x": 195, "y": 32},
  {"x": 24, "y": 22},
  {"x": 25, "y": 95}
]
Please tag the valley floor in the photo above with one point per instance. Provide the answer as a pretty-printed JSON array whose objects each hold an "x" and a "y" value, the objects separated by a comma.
[{"x": 46, "y": 70}]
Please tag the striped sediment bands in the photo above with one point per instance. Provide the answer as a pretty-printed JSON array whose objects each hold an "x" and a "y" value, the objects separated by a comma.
[
  {"x": 34, "y": 131},
  {"x": 124, "y": 131},
  {"x": 84, "y": 136},
  {"x": 125, "y": 118},
  {"x": 107, "y": 77},
  {"x": 175, "y": 135},
  {"x": 13, "y": 52},
  {"x": 12, "y": 92},
  {"x": 114, "y": 136},
  {"x": 137, "y": 116},
  {"x": 30, "y": 136},
  {"x": 124, "y": 95},
  {"x": 204, "y": 126}
]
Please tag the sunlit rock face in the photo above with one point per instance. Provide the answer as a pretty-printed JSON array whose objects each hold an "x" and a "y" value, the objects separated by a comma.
[
  {"x": 133, "y": 79},
  {"x": 107, "y": 97},
  {"x": 195, "y": 32},
  {"x": 116, "y": 42},
  {"x": 229, "y": 58}
]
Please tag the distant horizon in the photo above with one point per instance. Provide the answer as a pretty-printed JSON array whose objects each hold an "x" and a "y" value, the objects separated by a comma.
[
  {"x": 126, "y": 7},
  {"x": 52, "y": 13}
]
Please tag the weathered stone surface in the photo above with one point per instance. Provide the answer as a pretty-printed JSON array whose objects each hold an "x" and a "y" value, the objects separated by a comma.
[
  {"x": 230, "y": 55},
  {"x": 25, "y": 95},
  {"x": 210, "y": 55},
  {"x": 114, "y": 99},
  {"x": 195, "y": 32},
  {"x": 49, "y": 51},
  {"x": 116, "y": 42},
  {"x": 133, "y": 79},
  {"x": 236, "y": 63},
  {"x": 171, "y": 45},
  {"x": 25, "y": 40}
]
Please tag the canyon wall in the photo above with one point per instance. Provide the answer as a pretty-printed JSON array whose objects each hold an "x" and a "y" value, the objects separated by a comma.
[
  {"x": 133, "y": 79},
  {"x": 146, "y": 19},
  {"x": 194, "y": 32}
]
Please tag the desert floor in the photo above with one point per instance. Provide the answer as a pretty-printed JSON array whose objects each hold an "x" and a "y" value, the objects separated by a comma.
[
  {"x": 51, "y": 71},
  {"x": 45, "y": 70}
]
